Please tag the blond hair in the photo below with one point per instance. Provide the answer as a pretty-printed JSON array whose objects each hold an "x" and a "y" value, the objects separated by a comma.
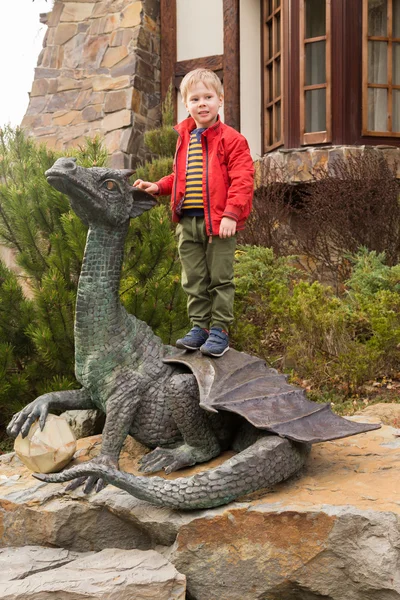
[{"x": 206, "y": 76}]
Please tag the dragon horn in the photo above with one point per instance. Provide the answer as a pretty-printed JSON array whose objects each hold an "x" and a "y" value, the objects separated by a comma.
[{"x": 127, "y": 173}]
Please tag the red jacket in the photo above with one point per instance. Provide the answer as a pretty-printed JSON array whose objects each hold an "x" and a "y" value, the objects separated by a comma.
[{"x": 228, "y": 175}]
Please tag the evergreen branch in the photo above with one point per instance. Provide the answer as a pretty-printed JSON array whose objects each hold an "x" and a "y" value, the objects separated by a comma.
[
  {"x": 13, "y": 239},
  {"x": 32, "y": 238}
]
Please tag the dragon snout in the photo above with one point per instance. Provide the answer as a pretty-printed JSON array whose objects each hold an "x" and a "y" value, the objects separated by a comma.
[
  {"x": 60, "y": 173},
  {"x": 64, "y": 164}
]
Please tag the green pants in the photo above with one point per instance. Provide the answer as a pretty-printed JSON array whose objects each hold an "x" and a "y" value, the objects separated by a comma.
[{"x": 207, "y": 274}]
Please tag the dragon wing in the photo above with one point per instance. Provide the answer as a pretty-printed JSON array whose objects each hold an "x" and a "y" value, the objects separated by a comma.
[{"x": 245, "y": 385}]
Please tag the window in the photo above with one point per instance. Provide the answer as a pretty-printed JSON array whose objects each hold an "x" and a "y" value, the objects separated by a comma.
[
  {"x": 381, "y": 67},
  {"x": 315, "y": 60},
  {"x": 272, "y": 42}
]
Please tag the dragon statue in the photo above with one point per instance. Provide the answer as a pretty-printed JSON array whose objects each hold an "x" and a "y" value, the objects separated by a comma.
[{"x": 187, "y": 407}]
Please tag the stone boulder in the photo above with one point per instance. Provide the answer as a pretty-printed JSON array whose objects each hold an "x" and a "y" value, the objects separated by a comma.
[
  {"x": 49, "y": 450},
  {"x": 84, "y": 423},
  {"x": 332, "y": 532},
  {"x": 34, "y": 573},
  {"x": 385, "y": 412}
]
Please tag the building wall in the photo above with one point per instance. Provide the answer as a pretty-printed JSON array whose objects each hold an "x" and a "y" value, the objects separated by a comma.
[
  {"x": 250, "y": 74},
  {"x": 98, "y": 73},
  {"x": 202, "y": 35},
  {"x": 190, "y": 44}
]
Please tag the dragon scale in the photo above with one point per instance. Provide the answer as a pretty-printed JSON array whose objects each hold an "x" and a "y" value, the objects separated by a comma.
[{"x": 187, "y": 408}]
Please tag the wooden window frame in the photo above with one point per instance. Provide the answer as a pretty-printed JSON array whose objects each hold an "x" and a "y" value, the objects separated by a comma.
[
  {"x": 317, "y": 137},
  {"x": 214, "y": 63},
  {"x": 390, "y": 85},
  {"x": 168, "y": 48},
  {"x": 273, "y": 60},
  {"x": 227, "y": 66}
]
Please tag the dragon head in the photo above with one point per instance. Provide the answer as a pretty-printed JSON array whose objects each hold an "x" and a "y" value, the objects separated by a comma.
[{"x": 99, "y": 195}]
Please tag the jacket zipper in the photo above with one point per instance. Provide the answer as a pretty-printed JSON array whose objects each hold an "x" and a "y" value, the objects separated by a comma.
[
  {"x": 208, "y": 192},
  {"x": 176, "y": 173}
]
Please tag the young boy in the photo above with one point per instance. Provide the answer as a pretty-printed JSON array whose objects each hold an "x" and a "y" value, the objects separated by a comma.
[{"x": 211, "y": 191}]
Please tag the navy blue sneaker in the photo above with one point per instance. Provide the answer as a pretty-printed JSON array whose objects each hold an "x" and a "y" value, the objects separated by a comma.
[
  {"x": 193, "y": 339},
  {"x": 217, "y": 343}
]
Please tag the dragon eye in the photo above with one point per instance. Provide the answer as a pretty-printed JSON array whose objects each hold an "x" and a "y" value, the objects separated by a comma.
[{"x": 110, "y": 185}]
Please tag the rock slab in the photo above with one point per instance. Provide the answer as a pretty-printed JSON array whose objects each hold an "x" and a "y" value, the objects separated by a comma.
[
  {"x": 330, "y": 533},
  {"x": 110, "y": 574},
  {"x": 19, "y": 563}
]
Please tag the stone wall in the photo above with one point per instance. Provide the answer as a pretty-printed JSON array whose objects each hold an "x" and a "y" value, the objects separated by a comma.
[
  {"x": 300, "y": 165},
  {"x": 98, "y": 74}
]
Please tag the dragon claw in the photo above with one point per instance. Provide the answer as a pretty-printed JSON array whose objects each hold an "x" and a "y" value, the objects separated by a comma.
[
  {"x": 168, "y": 459},
  {"x": 40, "y": 476},
  {"x": 175, "y": 466},
  {"x": 91, "y": 483},
  {"x": 75, "y": 483}
]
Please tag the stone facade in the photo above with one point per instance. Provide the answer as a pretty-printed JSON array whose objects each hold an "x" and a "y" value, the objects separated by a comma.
[{"x": 98, "y": 74}]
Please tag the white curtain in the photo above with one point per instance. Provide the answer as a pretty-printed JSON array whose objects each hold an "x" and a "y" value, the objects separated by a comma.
[
  {"x": 315, "y": 100},
  {"x": 377, "y": 65},
  {"x": 396, "y": 65}
]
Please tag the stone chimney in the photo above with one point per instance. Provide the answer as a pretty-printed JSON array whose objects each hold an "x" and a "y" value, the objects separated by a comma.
[{"x": 98, "y": 74}]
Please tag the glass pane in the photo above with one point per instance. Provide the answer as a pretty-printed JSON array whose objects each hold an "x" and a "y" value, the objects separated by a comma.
[
  {"x": 396, "y": 111},
  {"x": 315, "y": 20},
  {"x": 377, "y": 109},
  {"x": 396, "y": 18},
  {"x": 269, "y": 7},
  {"x": 377, "y": 62},
  {"x": 277, "y": 33},
  {"x": 277, "y": 78},
  {"x": 377, "y": 17},
  {"x": 315, "y": 63},
  {"x": 269, "y": 39},
  {"x": 277, "y": 122},
  {"x": 270, "y": 82},
  {"x": 277, "y": 3},
  {"x": 269, "y": 127},
  {"x": 396, "y": 64},
  {"x": 315, "y": 110}
]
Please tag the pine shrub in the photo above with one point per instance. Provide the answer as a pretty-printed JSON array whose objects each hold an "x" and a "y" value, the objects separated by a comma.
[
  {"x": 151, "y": 281},
  {"x": 49, "y": 242},
  {"x": 150, "y": 284},
  {"x": 16, "y": 349},
  {"x": 333, "y": 341},
  {"x": 161, "y": 142}
]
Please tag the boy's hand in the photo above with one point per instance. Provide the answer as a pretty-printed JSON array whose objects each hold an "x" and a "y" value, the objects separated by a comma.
[
  {"x": 146, "y": 186},
  {"x": 227, "y": 227}
]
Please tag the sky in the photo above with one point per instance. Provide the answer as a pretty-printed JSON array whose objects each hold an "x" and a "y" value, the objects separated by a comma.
[{"x": 20, "y": 45}]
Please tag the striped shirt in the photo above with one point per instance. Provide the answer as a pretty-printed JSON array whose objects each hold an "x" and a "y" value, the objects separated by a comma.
[{"x": 193, "y": 200}]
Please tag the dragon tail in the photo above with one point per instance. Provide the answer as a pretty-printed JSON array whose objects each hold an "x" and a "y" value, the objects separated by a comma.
[{"x": 268, "y": 461}]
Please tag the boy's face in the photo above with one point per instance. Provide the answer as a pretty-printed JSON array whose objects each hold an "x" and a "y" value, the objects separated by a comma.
[{"x": 203, "y": 104}]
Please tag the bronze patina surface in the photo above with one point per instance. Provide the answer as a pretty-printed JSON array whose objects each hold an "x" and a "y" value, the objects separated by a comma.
[
  {"x": 245, "y": 385},
  {"x": 185, "y": 407}
]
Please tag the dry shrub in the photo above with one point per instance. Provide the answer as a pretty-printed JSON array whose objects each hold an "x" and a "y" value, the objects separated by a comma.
[
  {"x": 269, "y": 224},
  {"x": 354, "y": 205}
]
